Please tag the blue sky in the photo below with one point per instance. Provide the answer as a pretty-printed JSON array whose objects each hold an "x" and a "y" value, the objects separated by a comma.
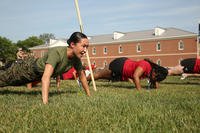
[{"x": 20, "y": 19}]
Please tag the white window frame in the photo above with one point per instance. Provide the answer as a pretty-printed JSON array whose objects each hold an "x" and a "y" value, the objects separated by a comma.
[
  {"x": 94, "y": 51},
  {"x": 158, "y": 62},
  {"x": 105, "y": 51},
  {"x": 138, "y": 48},
  {"x": 42, "y": 53},
  {"x": 120, "y": 49},
  {"x": 158, "y": 43},
  {"x": 179, "y": 45}
]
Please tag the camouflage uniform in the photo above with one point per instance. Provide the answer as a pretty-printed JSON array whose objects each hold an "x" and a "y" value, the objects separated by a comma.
[
  {"x": 20, "y": 72},
  {"x": 31, "y": 69}
]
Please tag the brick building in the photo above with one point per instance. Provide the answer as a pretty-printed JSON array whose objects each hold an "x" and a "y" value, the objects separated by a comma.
[
  {"x": 165, "y": 46},
  {"x": 40, "y": 50}
]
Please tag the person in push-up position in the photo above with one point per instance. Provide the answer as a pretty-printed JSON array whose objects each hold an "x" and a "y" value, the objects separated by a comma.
[
  {"x": 54, "y": 63},
  {"x": 189, "y": 67},
  {"x": 123, "y": 69}
]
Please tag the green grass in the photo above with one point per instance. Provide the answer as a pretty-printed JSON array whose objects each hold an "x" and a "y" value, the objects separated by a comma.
[{"x": 114, "y": 107}]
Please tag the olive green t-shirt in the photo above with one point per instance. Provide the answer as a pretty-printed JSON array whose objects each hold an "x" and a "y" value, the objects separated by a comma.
[{"x": 57, "y": 57}]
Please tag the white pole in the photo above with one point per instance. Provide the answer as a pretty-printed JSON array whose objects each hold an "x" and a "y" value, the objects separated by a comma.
[
  {"x": 198, "y": 40},
  {"x": 87, "y": 55}
]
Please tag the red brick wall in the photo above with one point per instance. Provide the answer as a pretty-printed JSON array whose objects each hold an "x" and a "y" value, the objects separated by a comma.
[{"x": 169, "y": 54}]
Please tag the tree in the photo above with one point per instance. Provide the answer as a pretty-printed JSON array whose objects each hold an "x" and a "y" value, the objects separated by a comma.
[
  {"x": 7, "y": 50},
  {"x": 46, "y": 37},
  {"x": 30, "y": 42}
]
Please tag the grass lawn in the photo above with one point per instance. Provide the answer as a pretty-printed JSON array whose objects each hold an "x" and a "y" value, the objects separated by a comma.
[{"x": 114, "y": 107}]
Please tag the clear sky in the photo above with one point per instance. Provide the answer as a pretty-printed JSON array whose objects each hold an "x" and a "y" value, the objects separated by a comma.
[{"x": 20, "y": 19}]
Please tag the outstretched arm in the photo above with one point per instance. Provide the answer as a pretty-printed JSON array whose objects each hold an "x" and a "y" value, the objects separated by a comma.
[
  {"x": 190, "y": 75},
  {"x": 46, "y": 82},
  {"x": 84, "y": 82},
  {"x": 136, "y": 77}
]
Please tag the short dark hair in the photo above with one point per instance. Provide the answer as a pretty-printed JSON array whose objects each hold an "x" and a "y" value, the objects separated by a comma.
[
  {"x": 160, "y": 72},
  {"x": 76, "y": 37}
]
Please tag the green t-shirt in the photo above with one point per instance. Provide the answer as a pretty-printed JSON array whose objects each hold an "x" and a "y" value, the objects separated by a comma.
[{"x": 57, "y": 57}]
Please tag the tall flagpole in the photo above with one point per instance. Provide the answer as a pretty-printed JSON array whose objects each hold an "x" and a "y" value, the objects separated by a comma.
[
  {"x": 87, "y": 55},
  {"x": 198, "y": 40}
]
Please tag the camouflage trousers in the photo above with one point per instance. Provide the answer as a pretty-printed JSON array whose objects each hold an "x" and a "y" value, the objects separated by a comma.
[{"x": 20, "y": 73}]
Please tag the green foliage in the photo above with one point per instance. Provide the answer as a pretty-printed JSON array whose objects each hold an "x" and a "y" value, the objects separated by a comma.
[
  {"x": 7, "y": 50},
  {"x": 114, "y": 107},
  {"x": 30, "y": 42}
]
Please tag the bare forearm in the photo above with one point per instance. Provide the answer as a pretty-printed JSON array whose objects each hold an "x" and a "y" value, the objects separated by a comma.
[
  {"x": 85, "y": 86},
  {"x": 46, "y": 82},
  {"x": 84, "y": 82},
  {"x": 192, "y": 75},
  {"x": 136, "y": 77},
  {"x": 137, "y": 83},
  {"x": 45, "y": 90}
]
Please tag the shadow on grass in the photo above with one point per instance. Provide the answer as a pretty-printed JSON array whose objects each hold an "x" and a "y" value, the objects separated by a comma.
[
  {"x": 118, "y": 86},
  {"x": 51, "y": 93},
  {"x": 181, "y": 83}
]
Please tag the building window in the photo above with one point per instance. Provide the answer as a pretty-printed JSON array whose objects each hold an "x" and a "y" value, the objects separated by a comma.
[
  {"x": 158, "y": 46},
  {"x": 42, "y": 53},
  {"x": 105, "y": 50},
  {"x": 94, "y": 51},
  {"x": 180, "y": 45},
  {"x": 138, "y": 47},
  {"x": 120, "y": 49},
  {"x": 159, "y": 62},
  {"x": 105, "y": 63}
]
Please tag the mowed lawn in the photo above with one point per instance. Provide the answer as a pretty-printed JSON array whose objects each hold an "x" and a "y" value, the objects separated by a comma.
[{"x": 115, "y": 107}]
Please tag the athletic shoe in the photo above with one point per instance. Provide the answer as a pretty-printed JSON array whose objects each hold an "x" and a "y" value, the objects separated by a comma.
[{"x": 183, "y": 76}]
